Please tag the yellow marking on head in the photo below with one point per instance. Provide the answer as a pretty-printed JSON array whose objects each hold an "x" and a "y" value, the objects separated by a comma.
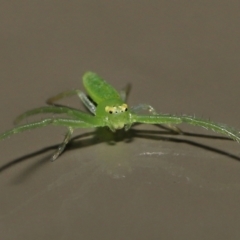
[
  {"x": 123, "y": 107},
  {"x": 116, "y": 109}
]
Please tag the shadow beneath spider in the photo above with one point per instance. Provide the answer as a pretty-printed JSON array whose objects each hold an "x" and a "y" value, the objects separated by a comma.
[{"x": 101, "y": 135}]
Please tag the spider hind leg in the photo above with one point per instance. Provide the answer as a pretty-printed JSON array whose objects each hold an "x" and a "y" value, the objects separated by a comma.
[{"x": 62, "y": 146}]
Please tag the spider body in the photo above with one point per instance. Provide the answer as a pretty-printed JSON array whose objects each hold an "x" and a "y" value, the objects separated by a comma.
[{"x": 108, "y": 109}]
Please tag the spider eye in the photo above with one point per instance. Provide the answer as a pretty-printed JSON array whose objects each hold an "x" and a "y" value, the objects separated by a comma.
[{"x": 116, "y": 109}]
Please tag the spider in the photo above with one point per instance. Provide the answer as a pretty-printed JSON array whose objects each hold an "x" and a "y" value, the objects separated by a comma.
[{"x": 108, "y": 109}]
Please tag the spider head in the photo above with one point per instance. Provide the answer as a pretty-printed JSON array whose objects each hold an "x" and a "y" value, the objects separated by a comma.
[{"x": 116, "y": 114}]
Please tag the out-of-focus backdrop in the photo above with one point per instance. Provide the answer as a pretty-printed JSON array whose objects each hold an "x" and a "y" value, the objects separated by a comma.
[{"x": 182, "y": 57}]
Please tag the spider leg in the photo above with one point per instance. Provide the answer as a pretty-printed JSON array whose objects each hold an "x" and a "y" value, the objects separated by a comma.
[
  {"x": 143, "y": 107},
  {"x": 62, "y": 95},
  {"x": 150, "y": 109},
  {"x": 125, "y": 92},
  {"x": 88, "y": 104},
  {"x": 216, "y": 127},
  {"x": 87, "y": 121},
  {"x": 50, "y": 109},
  {"x": 172, "y": 119},
  {"x": 62, "y": 146}
]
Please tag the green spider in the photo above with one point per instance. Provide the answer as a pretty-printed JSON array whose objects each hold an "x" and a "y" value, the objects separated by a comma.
[{"x": 108, "y": 109}]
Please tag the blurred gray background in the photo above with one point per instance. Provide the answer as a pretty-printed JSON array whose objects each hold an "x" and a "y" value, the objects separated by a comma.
[{"x": 182, "y": 57}]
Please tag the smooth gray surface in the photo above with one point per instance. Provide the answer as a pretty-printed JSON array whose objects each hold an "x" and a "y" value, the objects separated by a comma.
[{"x": 181, "y": 57}]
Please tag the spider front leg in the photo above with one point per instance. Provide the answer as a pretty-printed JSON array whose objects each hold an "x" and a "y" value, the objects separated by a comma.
[
  {"x": 84, "y": 121},
  {"x": 172, "y": 119},
  {"x": 49, "y": 109},
  {"x": 87, "y": 121},
  {"x": 150, "y": 109}
]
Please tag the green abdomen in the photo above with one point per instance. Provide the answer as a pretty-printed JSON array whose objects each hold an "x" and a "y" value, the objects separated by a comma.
[{"x": 98, "y": 89}]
